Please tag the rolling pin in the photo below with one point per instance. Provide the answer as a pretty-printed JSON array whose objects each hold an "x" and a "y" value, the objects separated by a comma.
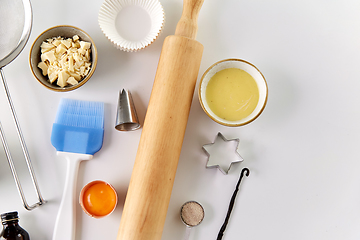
[{"x": 156, "y": 161}]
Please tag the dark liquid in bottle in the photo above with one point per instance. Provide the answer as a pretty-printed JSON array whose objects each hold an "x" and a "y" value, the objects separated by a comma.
[{"x": 11, "y": 228}]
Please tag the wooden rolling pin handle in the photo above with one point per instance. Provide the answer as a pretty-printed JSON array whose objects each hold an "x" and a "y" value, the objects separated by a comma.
[
  {"x": 187, "y": 25},
  {"x": 154, "y": 171}
]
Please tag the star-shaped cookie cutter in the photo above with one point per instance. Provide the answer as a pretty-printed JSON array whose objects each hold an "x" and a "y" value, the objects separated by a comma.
[{"x": 214, "y": 163}]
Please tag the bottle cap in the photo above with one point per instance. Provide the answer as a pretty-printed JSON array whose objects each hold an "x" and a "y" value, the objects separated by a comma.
[{"x": 10, "y": 216}]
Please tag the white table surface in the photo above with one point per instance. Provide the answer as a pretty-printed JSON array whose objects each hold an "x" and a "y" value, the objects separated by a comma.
[{"x": 302, "y": 151}]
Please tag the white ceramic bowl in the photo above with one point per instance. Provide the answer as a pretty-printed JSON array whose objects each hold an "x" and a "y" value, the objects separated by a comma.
[
  {"x": 108, "y": 21},
  {"x": 243, "y": 65}
]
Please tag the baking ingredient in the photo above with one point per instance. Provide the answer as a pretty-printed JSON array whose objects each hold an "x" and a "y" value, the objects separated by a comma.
[
  {"x": 66, "y": 60},
  {"x": 245, "y": 171},
  {"x": 12, "y": 229},
  {"x": 192, "y": 213},
  {"x": 232, "y": 94},
  {"x": 99, "y": 199}
]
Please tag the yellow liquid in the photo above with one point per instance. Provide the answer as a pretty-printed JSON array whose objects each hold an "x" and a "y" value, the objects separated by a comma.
[{"x": 232, "y": 94}]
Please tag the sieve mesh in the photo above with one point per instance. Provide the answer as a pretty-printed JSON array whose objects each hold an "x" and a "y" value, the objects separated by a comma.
[{"x": 12, "y": 21}]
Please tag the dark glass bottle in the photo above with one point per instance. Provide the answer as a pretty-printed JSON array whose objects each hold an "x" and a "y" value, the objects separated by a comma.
[{"x": 12, "y": 229}]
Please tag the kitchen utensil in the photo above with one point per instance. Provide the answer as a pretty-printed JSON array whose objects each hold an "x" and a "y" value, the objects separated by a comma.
[
  {"x": 65, "y": 31},
  {"x": 192, "y": 214},
  {"x": 16, "y": 22},
  {"x": 245, "y": 171},
  {"x": 131, "y": 25},
  {"x": 77, "y": 135},
  {"x": 163, "y": 131},
  {"x": 126, "y": 117},
  {"x": 243, "y": 65},
  {"x": 222, "y": 154}
]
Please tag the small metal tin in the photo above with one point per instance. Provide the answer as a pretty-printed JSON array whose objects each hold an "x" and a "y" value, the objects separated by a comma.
[
  {"x": 192, "y": 213},
  {"x": 126, "y": 117}
]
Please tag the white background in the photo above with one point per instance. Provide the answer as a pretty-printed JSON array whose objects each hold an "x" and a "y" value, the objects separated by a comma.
[{"x": 302, "y": 151}]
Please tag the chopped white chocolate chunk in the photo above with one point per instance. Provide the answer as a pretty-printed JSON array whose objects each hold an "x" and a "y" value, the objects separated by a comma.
[
  {"x": 53, "y": 76},
  {"x": 71, "y": 64},
  {"x": 72, "y": 81},
  {"x": 50, "y": 56},
  {"x": 67, "y": 43},
  {"x": 82, "y": 51},
  {"x": 82, "y": 70},
  {"x": 43, "y": 67},
  {"x": 46, "y": 47},
  {"x": 87, "y": 55},
  {"x": 61, "y": 49},
  {"x": 62, "y": 78},
  {"x": 85, "y": 45},
  {"x": 56, "y": 42},
  {"x": 66, "y": 60},
  {"x": 75, "y": 75}
]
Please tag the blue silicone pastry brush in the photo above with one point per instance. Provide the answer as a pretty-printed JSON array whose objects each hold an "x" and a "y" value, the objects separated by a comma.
[{"x": 76, "y": 134}]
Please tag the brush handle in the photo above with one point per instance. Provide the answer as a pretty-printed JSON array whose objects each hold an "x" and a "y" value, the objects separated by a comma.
[
  {"x": 66, "y": 218},
  {"x": 187, "y": 25}
]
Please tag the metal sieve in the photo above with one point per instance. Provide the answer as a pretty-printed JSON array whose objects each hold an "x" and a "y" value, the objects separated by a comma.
[{"x": 16, "y": 22}]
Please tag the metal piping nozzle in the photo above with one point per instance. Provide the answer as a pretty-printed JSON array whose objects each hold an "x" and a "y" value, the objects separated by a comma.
[{"x": 126, "y": 117}]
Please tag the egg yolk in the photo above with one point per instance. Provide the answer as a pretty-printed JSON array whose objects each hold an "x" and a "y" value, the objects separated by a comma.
[{"x": 99, "y": 199}]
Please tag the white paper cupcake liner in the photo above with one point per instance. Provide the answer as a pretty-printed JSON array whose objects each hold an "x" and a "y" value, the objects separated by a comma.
[{"x": 109, "y": 12}]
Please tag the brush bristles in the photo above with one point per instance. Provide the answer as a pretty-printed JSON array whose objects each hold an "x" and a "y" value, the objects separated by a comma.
[{"x": 79, "y": 113}]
